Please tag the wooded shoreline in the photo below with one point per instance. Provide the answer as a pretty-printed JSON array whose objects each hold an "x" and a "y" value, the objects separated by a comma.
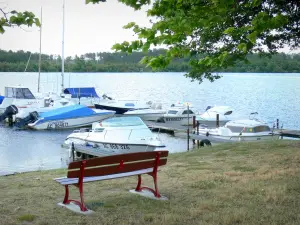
[{"x": 121, "y": 62}]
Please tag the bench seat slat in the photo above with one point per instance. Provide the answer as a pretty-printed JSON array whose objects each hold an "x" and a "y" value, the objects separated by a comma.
[{"x": 67, "y": 181}]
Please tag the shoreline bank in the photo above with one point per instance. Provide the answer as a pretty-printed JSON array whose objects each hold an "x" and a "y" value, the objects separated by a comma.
[{"x": 240, "y": 183}]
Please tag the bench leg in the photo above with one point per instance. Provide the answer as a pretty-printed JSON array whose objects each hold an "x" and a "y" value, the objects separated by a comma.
[
  {"x": 139, "y": 188},
  {"x": 66, "y": 199},
  {"x": 82, "y": 206},
  {"x": 79, "y": 203}
]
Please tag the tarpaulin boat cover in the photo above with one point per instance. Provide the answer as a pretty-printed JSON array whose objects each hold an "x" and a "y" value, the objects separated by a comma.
[
  {"x": 1, "y": 99},
  {"x": 68, "y": 112},
  {"x": 81, "y": 92}
]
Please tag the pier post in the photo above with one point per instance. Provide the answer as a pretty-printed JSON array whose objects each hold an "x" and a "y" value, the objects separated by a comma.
[
  {"x": 198, "y": 142},
  {"x": 73, "y": 149},
  {"x": 217, "y": 121},
  {"x": 194, "y": 121},
  {"x": 188, "y": 129},
  {"x": 188, "y": 139}
]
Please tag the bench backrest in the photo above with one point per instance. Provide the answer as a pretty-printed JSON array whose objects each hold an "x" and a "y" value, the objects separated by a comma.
[{"x": 118, "y": 164}]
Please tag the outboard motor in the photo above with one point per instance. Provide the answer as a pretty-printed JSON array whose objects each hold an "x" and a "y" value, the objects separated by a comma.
[
  {"x": 8, "y": 113},
  {"x": 31, "y": 118}
]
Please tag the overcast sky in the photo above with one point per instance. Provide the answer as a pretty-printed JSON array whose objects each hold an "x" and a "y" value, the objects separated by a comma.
[{"x": 88, "y": 28}]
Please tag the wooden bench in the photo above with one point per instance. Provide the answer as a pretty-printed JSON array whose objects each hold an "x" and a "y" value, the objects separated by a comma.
[{"x": 112, "y": 167}]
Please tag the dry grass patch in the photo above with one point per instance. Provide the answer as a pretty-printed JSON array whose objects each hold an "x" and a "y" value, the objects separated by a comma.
[{"x": 244, "y": 183}]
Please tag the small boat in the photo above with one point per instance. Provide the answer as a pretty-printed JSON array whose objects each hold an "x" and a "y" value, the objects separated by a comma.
[
  {"x": 152, "y": 114},
  {"x": 69, "y": 117},
  {"x": 209, "y": 117},
  {"x": 117, "y": 135},
  {"x": 241, "y": 130},
  {"x": 83, "y": 95},
  {"x": 121, "y": 106},
  {"x": 181, "y": 114},
  {"x": 21, "y": 97}
]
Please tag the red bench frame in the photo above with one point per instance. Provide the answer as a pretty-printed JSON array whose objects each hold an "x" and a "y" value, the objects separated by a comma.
[{"x": 112, "y": 167}]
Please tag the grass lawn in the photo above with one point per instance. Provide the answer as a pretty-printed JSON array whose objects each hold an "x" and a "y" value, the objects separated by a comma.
[{"x": 240, "y": 183}]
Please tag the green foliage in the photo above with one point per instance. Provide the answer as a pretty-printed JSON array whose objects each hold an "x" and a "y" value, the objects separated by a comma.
[
  {"x": 142, "y": 62},
  {"x": 15, "y": 18},
  {"x": 220, "y": 33}
]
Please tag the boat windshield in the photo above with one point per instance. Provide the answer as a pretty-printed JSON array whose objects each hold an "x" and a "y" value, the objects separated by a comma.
[
  {"x": 187, "y": 112},
  {"x": 172, "y": 112},
  {"x": 19, "y": 93},
  {"x": 256, "y": 129},
  {"x": 122, "y": 122}
]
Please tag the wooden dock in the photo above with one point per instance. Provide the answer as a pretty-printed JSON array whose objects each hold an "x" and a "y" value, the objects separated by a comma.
[
  {"x": 289, "y": 133},
  {"x": 173, "y": 129}
]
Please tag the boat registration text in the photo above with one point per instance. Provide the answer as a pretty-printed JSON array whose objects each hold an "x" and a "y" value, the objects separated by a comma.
[{"x": 115, "y": 146}]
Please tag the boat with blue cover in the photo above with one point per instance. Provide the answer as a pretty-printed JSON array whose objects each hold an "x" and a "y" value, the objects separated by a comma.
[
  {"x": 69, "y": 117},
  {"x": 83, "y": 95}
]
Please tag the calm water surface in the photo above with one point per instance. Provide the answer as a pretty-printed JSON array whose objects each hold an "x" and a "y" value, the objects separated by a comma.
[{"x": 271, "y": 95}]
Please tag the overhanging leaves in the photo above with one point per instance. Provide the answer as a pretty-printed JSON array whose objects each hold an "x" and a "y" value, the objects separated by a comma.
[
  {"x": 213, "y": 33},
  {"x": 15, "y": 18}
]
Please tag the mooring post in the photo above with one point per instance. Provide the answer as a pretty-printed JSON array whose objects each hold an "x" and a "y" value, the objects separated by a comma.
[
  {"x": 73, "y": 149},
  {"x": 188, "y": 129},
  {"x": 194, "y": 126},
  {"x": 198, "y": 143},
  {"x": 194, "y": 121},
  {"x": 188, "y": 139},
  {"x": 277, "y": 123},
  {"x": 217, "y": 121}
]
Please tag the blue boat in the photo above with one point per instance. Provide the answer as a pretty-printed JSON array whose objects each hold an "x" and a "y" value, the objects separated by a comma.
[{"x": 69, "y": 117}]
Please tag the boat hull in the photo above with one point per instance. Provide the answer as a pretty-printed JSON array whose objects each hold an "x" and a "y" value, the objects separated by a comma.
[
  {"x": 110, "y": 147},
  {"x": 147, "y": 117},
  {"x": 244, "y": 138},
  {"x": 69, "y": 123},
  {"x": 176, "y": 120},
  {"x": 212, "y": 123},
  {"x": 118, "y": 110}
]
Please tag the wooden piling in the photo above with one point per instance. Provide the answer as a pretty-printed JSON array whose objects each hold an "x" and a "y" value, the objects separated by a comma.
[
  {"x": 217, "y": 121},
  {"x": 73, "y": 153},
  {"x": 198, "y": 142},
  {"x": 194, "y": 121}
]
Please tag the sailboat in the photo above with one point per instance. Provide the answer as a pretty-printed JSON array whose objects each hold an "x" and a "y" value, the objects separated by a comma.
[
  {"x": 64, "y": 117},
  {"x": 23, "y": 97}
]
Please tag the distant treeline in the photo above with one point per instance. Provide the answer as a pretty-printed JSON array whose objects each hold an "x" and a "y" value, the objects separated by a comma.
[{"x": 120, "y": 62}]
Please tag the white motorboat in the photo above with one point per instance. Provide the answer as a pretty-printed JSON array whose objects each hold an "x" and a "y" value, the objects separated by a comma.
[
  {"x": 181, "y": 114},
  {"x": 121, "y": 106},
  {"x": 241, "y": 130},
  {"x": 22, "y": 97},
  {"x": 118, "y": 135},
  {"x": 152, "y": 114},
  {"x": 209, "y": 117},
  {"x": 69, "y": 117}
]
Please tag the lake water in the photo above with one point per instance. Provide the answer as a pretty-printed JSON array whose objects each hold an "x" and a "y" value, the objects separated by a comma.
[{"x": 273, "y": 96}]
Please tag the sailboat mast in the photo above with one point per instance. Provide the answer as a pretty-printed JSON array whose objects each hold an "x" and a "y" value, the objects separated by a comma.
[
  {"x": 40, "y": 57},
  {"x": 63, "y": 49}
]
